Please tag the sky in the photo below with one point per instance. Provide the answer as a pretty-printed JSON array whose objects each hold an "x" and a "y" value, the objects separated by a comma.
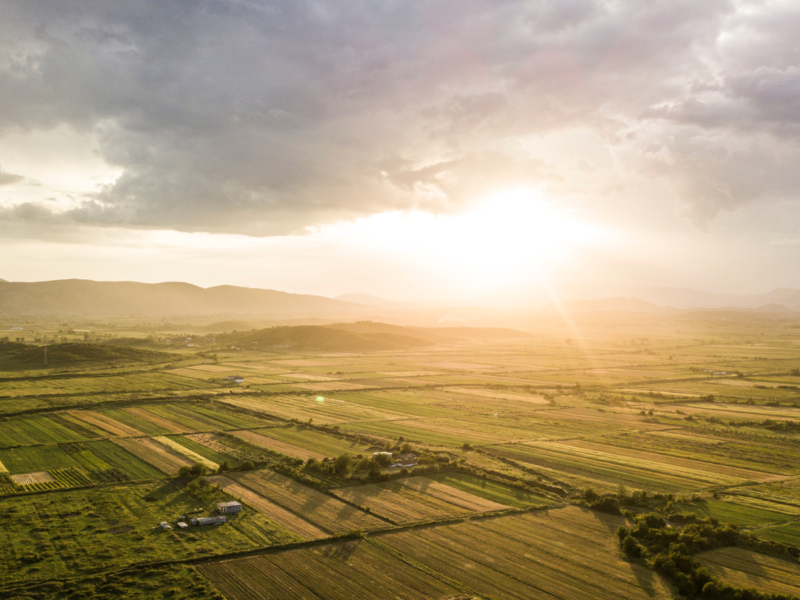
[{"x": 458, "y": 150}]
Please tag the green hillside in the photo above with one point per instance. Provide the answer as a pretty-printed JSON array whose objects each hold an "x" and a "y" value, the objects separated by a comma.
[{"x": 16, "y": 356}]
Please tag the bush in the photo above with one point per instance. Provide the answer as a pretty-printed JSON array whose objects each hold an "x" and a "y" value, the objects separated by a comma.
[
  {"x": 607, "y": 504},
  {"x": 384, "y": 460},
  {"x": 342, "y": 464},
  {"x": 631, "y": 547},
  {"x": 590, "y": 495}
]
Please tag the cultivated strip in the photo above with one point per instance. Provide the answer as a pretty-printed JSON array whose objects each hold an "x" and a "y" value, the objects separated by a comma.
[
  {"x": 190, "y": 454},
  {"x": 281, "y": 516}
]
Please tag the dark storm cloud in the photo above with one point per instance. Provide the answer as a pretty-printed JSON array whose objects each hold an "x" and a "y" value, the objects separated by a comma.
[{"x": 265, "y": 117}]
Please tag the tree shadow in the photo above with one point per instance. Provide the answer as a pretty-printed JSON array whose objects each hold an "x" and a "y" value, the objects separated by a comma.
[{"x": 647, "y": 580}]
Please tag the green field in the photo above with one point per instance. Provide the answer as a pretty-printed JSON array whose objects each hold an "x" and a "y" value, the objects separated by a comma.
[
  {"x": 349, "y": 570},
  {"x": 118, "y": 458},
  {"x": 35, "y": 429},
  {"x": 90, "y": 531},
  {"x": 322, "y": 443},
  {"x": 178, "y": 582},
  {"x": 491, "y": 490},
  {"x": 516, "y": 557},
  {"x": 787, "y": 534},
  {"x": 508, "y": 435},
  {"x": 747, "y": 569},
  {"x": 738, "y": 514},
  {"x": 206, "y": 452},
  {"x": 35, "y": 458},
  {"x": 324, "y": 511}
]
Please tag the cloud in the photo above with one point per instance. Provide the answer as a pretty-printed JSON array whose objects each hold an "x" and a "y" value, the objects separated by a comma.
[
  {"x": 265, "y": 117},
  {"x": 9, "y": 178}
]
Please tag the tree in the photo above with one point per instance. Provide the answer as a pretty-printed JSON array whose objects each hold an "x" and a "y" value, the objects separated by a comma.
[
  {"x": 342, "y": 464},
  {"x": 631, "y": 547},
  {"x": 383, "y": 460},
  {"x": 197, "y": 469},
  {"x": 374, "y": 471}
]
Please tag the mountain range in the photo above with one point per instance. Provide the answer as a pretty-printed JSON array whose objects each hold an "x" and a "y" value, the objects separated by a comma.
[
  {"x": 124, "y": 299},
  {"x": 84, "y": 298}
]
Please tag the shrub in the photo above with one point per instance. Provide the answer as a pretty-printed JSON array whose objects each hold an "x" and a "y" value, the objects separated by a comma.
[
  {"x": 607, "y": 504},
  {"x": 631, "y": 547}
]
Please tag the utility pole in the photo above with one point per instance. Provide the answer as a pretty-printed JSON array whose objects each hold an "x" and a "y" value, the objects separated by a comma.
[{"x": 45, "y": 355}]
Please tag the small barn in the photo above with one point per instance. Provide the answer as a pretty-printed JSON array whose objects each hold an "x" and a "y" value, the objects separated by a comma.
[
  {"x": 235, "y": 378},
  {"x": 229, "y": 507}
]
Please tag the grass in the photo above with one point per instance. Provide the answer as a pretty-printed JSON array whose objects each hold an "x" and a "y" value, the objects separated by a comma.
[
  {"x": 738, "y": 514},
  {"x": 399, "y": 503},
  {"x": 187, "y": 452},
  {"x": 322, "y": 510},
  {"x": 516, "y": 399},
  {"x": 35, "y": 429},
  {"x": 209, "y": 454},
  {"x": 177, "y": 582},
  {"x": 787, "y": 534},
  {"x": 75, "y": 533},
  {"x": 490, "y": 490},
  {"x": 35, "y": 458},
  {"x": 614, "y": 468},
  {"x": 315, "y": 441},
  {"x": 120, "y": 459},
  {"x": 565, "y": 554},
  {"x": 134, "y": 421},
  {"x": 393, "y": 430},
  {"x": 355, "y": 569},
  {"x": 744, "y": 568}
]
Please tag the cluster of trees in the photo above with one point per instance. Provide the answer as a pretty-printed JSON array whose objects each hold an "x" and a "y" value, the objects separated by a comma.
[
  {"x": 670, "y": 552},
  {"x": 199, "y": 469}
]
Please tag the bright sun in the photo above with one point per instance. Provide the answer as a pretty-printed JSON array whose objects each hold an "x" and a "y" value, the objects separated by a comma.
[{"x": 509, "y": 234}]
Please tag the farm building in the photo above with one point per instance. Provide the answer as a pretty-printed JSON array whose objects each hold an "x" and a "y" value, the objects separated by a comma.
[
  {"x": 165, "y": 525},
  {"x": 210, "y": 520},
  {"x": 229, "y": 507},
  {"x": 182, "y": 525},
  {"x": 235, "y": 378}
]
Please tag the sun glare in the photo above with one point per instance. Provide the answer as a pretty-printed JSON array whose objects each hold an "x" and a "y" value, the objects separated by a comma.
[{"x": 506, "y": 235}]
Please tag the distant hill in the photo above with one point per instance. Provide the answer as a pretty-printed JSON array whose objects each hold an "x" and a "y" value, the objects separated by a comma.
[
  {"x": 605, "y": 305},
  {"x": 773, "y": 308},
  {"x": 370, "y": 300},
  {"x": 362, "y": 336},
  {"x": 16, "y": 356},
  {"x": 83, "y": 298},
  {"x": 323, "y": 338},
  {"x": 689, "y": 298}
]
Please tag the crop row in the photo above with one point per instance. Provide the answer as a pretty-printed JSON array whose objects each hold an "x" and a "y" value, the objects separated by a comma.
[{"x": 71, "y": 477}]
